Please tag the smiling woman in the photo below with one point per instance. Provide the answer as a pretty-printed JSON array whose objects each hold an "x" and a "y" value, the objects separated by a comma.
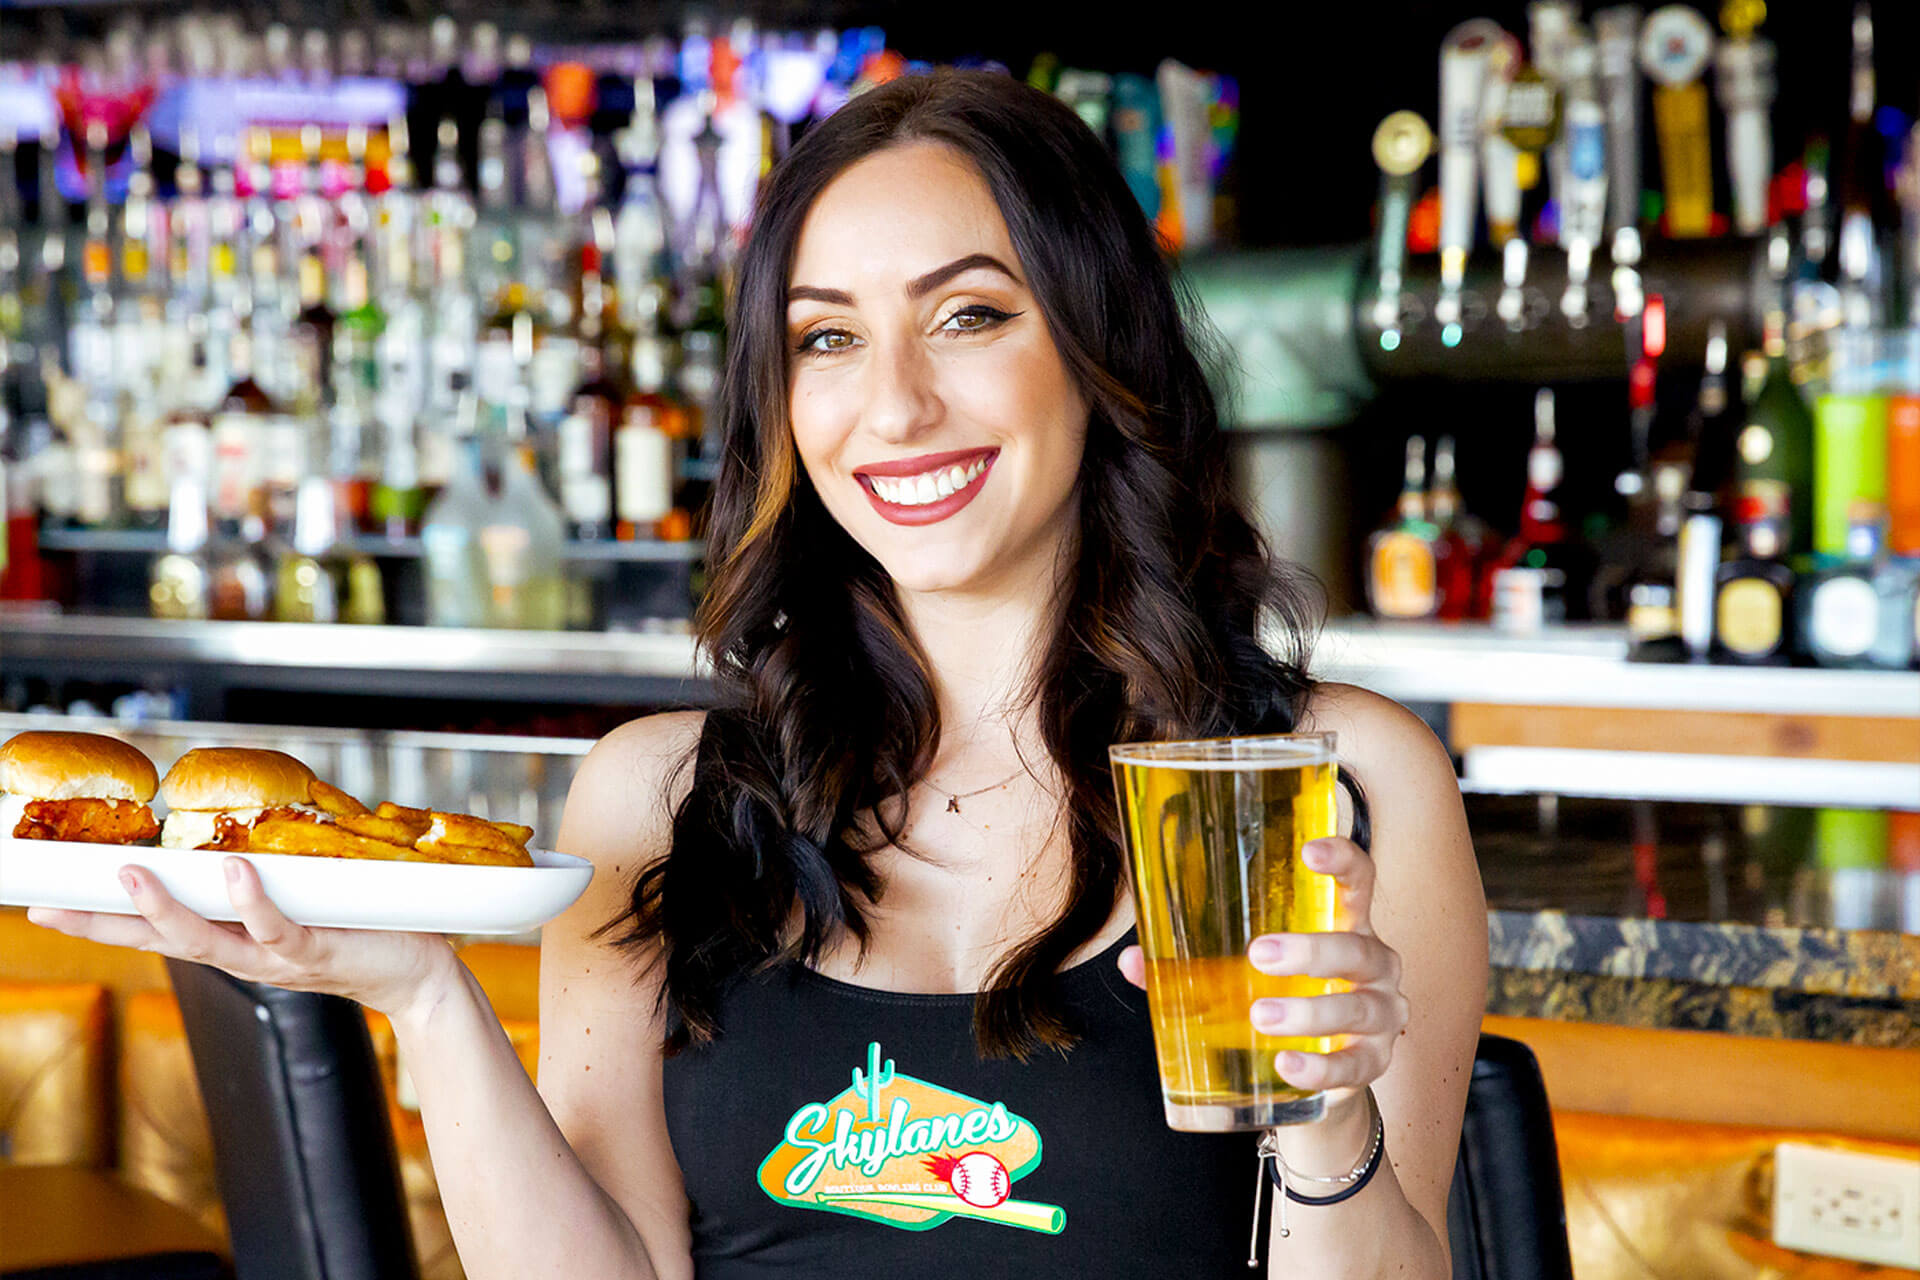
[{"x": 814, "y": 1014}]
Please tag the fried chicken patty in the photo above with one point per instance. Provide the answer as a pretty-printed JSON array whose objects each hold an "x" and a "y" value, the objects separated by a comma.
[{"x": 90, "y": 821}]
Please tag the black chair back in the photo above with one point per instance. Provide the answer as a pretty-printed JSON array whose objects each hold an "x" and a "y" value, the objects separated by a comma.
[
  {"x": 1506, "y": 1215},
  {"x": 302, "y": 1146}
]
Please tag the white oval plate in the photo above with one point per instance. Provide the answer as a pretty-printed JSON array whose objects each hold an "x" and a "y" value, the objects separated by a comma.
[{"x": 333, "y": 893}]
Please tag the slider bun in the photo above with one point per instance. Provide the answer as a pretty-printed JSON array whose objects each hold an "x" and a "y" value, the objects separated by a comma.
[
  {"x": 235, "y": 778},
  {"x": 51, "y": 765}
]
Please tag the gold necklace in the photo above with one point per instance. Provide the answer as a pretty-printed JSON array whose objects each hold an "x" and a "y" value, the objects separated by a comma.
[{"x": 955, "y": 797}]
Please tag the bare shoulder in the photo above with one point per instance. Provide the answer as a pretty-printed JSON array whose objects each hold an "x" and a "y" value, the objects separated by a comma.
[
  {"x": 1375, "y": 733},
  {"x": 620, "y": 806}
]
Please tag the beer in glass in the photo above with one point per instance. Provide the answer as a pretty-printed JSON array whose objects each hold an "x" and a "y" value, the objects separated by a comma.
[{"x": 1213, "y": 831}]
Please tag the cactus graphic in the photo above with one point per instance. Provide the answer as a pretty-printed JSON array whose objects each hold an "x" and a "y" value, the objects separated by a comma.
[{"x": 870, "y": 1083}]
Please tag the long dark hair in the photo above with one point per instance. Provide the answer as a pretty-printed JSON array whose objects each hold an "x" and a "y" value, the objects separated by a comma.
[{"x": 826, "y": 713}]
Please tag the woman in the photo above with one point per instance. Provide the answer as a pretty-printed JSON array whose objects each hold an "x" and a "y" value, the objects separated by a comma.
[{"x": 972, "y": 526}]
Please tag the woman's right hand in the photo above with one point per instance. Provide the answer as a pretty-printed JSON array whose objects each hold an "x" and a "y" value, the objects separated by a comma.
[{"x": 398, "y": 974}]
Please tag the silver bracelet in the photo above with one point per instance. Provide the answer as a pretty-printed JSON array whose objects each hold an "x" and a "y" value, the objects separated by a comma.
[
  {"x": 1270, "y": 1149},
  {"x": 1353, "y": 1181}
]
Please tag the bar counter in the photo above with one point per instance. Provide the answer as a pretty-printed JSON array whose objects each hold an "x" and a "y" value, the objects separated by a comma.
[{"x": 1703, "y": 929}]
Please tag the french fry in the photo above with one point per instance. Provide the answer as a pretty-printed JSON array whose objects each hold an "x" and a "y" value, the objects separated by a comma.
[
  {"x": 514, "y": 831},
  {"x": 331, "y": 799},
  {"x": 468, "y": 855},
  {"x": 388, "y": 809},
  {"x": 391, "y": 830},
  {"x": 461, "y": 828},
  {"x": 327, "y": 840}
]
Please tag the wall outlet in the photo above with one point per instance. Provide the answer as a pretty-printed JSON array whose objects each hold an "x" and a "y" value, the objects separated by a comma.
[{"x": 1847, "y": 1204}]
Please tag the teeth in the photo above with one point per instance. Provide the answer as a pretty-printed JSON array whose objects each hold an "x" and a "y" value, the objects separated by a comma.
[{"x": 917, "y": 491}]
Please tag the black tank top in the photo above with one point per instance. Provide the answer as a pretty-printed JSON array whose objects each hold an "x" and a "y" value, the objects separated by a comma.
[{"x": 835, "y": 1131}]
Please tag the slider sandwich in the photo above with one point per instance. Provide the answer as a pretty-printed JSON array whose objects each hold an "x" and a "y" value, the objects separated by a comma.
[
  {"x": 83, "y": 787},
  {"x": 215, "y": 795}
]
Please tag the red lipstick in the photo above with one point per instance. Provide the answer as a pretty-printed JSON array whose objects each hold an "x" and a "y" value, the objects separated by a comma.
[{"x": 931, "y": 512}]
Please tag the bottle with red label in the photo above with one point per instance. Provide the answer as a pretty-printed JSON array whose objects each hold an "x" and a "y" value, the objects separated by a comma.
[
  {"x": 1459, "y": 540},
  {"x": 1402, "y": 556},
  {"x": 1551, "y": 562}
]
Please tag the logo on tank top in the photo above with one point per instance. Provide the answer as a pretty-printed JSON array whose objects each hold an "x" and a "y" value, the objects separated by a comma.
[{"x": 901, "y": 1151}]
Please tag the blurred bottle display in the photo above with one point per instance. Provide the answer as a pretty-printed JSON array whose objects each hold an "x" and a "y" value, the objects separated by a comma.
[
  {"x": 1547, "y": 126},
  {"x": 286, "y": 245}
]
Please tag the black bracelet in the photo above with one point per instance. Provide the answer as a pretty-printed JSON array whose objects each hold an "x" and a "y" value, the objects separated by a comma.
[{"x": 1360, "y": 1180}]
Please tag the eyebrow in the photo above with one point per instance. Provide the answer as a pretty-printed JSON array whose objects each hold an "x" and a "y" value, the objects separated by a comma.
[{"x": 917, "y": 288}]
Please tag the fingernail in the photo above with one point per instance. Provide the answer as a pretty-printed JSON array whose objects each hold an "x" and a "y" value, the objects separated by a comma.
[
  {"x": 1268, "y": 953},
  {"x": 1290, "y": 1061},
  {"x": 1270, "y": 1015},
  {"x": 1316, "y": 852},
  {"x": 233, "y": 870},
  {"x": 129, "y": 882}
]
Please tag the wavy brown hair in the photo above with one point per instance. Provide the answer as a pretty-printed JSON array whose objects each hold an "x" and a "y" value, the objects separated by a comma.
[{"x": 826, "y": 714}]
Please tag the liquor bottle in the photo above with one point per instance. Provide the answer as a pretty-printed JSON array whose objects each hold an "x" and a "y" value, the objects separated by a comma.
[
  {"x": 586, "y": 453},
  {"x": 178, "y": 585},
  {"x": 143, "y": 436},
  {"x": 521, "y": 543},
  {"x": 23, "y": 576},
  {"x": 1460, "y": 541},
  {"x": 1903, "y": 439},
  {"x": 1402, "y": 576},
  {"x": 304, "y": 589},
  {"x": 1774, "y": 448},
  {"x": 239, "y": 576},
  {"x": 313, "y": 326},
  {"x": 1560, "y": 567},
  {"x": 645, "y": 444},
  {"x": 239, "y": 438},
  {"x": 1652, "y": 607},
  {"x": 358, "y": 443},
  {"x": 449, "y": 532},
  {"x": 1860, "y": 613},
  {"x": 1849, "y": 441},
  {"x": 1862, "y": 188},
  {"x": 1752, "y": 621}
]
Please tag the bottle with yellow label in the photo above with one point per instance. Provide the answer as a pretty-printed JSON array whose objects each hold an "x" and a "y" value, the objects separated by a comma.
[
  {"x": 1402, "y": 568},
  {"x": 1752, "y": 623}
]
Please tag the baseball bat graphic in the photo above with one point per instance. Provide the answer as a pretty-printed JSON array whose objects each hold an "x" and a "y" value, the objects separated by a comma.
[{"x": 1026, "y": 1214}]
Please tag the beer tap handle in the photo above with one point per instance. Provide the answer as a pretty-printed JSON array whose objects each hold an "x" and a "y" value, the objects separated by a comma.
[
  {"x": 1675, "y": 46},
  {"x": 1400, "y": 146},
  {"x": 1499, "y": 157},
  {"x": 1744, "y": 77},
  {"x": 1616, "y": 36},
  {"x": 1463, "y": 66},
  {"x": 1512, "y": 306},
  {"x": 1550, "y": 34},
  {"x": 1584, "y": 209}
]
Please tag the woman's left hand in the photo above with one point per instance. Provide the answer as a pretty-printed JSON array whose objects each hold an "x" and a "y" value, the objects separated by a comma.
[{"x": 1367, "y": 1018}]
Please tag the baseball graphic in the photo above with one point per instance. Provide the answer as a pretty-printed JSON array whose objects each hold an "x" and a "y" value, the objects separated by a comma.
[{"x": 980, "y": 1179}]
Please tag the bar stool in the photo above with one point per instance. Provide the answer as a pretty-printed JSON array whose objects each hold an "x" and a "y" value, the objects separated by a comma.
[
  {"x": 303, "y": 1150},
  {"x": 1506, "y": 1213}
]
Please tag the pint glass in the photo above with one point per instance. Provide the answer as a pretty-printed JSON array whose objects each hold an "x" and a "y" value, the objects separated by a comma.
[{"x": 1213, "y": 831}]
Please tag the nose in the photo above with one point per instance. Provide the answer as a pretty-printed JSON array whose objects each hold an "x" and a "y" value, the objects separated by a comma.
[{"x": 902, "y": 399}]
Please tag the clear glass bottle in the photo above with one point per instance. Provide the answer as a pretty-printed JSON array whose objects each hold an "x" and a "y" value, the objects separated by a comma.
[
  {"x": 178, "y": 584},
  {"x": 456, "y": 575},
  {"x": 522, "y": 543}
]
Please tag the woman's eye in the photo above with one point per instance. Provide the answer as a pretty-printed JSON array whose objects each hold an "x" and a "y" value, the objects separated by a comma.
[
  {"x": 974, "y": 319},
  {"x": 824, "y": 341}
]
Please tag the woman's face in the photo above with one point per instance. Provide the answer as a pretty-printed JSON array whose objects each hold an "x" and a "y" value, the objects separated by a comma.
[{"x": 930, "y": 407}]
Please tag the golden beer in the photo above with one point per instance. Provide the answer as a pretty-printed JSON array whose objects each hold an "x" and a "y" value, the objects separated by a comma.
[{"x": 1213, "y": 831}]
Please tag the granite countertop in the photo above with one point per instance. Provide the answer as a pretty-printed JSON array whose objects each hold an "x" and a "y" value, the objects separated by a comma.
[{"x": 1714, "y": 918}]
